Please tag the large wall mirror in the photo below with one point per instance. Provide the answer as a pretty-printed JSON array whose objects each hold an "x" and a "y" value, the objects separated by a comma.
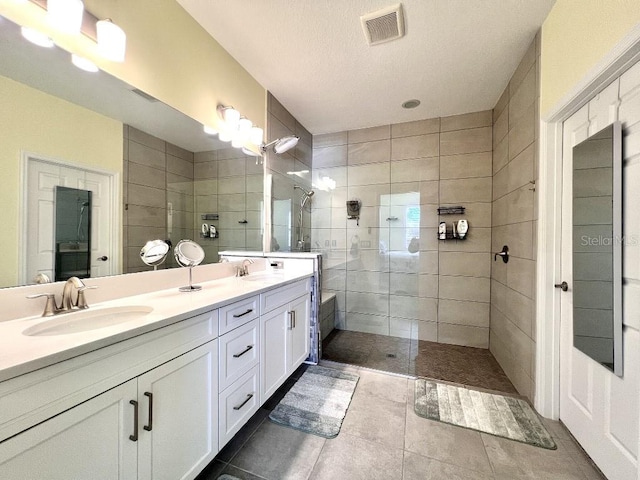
[
  {"x": 597, "y": 247},
  {"x": 168, "y": 180}
]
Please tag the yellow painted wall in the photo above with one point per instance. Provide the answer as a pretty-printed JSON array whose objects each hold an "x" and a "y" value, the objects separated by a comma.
[
  {"x": 35, "y": 122},
  {"x": 575, "y": 36},
  {"x": 169, "y": 55}
]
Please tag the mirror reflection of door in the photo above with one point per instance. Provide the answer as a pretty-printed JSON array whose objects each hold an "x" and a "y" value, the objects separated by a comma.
[
  {"x": 39, "y": 249},
  {"x": 72, "y": 233}
]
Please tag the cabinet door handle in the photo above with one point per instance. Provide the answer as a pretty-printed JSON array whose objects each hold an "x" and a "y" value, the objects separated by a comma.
[
  {"x": 293, "y": 315},
  {"x": 134, "y": 437},
  {"x": 243, "y": 314},
  {"x": 290, "y": 327},
  {"x": 249, "y": 397},
  {"x": 149, "y": 427},
  {"x": 238, "y": 355}
]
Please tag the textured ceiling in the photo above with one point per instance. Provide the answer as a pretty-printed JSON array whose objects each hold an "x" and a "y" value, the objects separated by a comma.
[{"x": 456, "y": 57}]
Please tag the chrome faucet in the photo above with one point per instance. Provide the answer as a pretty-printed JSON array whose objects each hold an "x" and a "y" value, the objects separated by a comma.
[
  {"x": 67, "y": 304},
  {"x": 243, "y": 271}
]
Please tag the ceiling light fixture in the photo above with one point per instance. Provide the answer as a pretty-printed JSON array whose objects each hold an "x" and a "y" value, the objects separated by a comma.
[
  {"x": 36, "y": 37},
  {"x": 65, "y": 15},
  {"x": 83, "y": 64},
  {"x": 112, "y": 41}
]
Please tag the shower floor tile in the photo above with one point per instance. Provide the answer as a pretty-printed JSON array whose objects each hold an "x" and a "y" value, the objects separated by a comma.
[{"x": 452, "y": 363}]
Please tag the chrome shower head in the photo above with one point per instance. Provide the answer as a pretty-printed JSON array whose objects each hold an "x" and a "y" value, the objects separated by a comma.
[
  {"x": 281, "y": 145},
  {"x": 308, "y": 193}
]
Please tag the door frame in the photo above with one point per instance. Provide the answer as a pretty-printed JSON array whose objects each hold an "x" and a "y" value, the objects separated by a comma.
[
  {"x": 622, "y": 56},
  {"x": 115, "y": 243}
]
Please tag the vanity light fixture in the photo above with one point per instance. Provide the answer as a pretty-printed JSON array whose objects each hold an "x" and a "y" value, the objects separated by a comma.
[
  {"x": 83, "y": 64},
  {"x": 36, "y": 37},
  {"x": 241, "y": 135},
  {"x": 256, "y": 135},
  {"x": 225, "y": 136},
  {"x": 65, "y": 15},
  {"x": 230, "y": 116},
  {"x": 112, "y": 41}
]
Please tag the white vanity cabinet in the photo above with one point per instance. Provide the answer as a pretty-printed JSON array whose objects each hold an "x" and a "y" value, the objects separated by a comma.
[
  {"x": 158, "y": 417},
  {"x": 284, "y": 334}
]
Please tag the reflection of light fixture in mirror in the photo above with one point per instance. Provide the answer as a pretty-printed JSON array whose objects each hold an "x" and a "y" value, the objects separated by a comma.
[
  {"x": 36, "y": 37},
  {"x": 189, "y": 254},
  {"x": 210, "y": 130},
  {"x": 230, "y": 116},
  {"x": 241, "y": 136},
  {"x": 83, "y": 64},
  {"x": 225, "y": 136},
  {"x": 281, "y": 145},
  {"x": 154, "y": 253},
  {"x": 112, "y": 41},
  {"x": 298, "y": 173},
  {"x": 65, "y": 15},
  {"x": 256, "y": 135}
]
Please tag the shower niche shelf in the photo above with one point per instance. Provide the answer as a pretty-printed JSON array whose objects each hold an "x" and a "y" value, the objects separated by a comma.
[{"x": 450, "y": 210}]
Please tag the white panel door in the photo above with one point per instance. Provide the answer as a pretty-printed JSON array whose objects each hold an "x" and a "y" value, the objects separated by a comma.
[
  {"x": 599, "y": 408},
  {"x": 42, "y": 178}
]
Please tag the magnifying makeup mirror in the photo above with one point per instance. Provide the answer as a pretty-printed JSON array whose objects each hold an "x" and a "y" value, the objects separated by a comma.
[
  {"x": 189, "y": 254},
  {"x": 154, "y": 253}
]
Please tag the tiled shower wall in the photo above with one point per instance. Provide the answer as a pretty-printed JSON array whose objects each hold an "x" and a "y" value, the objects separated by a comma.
[
  {"x": 158, "y": 179},
  {"x": 515, "y": 146},
  {"x": 390, "y": 273}
]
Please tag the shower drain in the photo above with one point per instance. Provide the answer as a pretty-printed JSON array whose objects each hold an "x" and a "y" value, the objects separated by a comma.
[{"x": 391, "y": 355}]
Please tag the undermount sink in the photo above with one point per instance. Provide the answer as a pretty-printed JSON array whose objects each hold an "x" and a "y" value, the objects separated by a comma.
[
  {"x": 263, "y": 277},
  {"x": 90, "y": 319}
]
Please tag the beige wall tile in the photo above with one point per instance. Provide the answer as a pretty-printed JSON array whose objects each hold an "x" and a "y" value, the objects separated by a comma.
[
  {"x": 176, "y": 183},
  {"x": 210, "y": 156},
  {"x": 368, "y": 152},
  {"x": 275, "y": 107},
  {"x": 369, "y": 303},
  {"x": 304, "y": 134},
  {"x": 501, "y": 155},
  {"x": 140, "y": 235},
  {"x": 146, "y": 216},
  {"x": 522, "y": 132},
  {"x": 457, "y": 312},
  {"x": 419, "y": 127},
  {"x": 143, "y": 175},
  {"x": 467, "y": 120},
  {"x": 369, "y": 174},
  {"x": 463, "y": 335},
  {"x": 143, "y": 138},
  {"x": 382, "y": 132},
  {"x": 465, "y": 264},
  {"x": 303, "y": 153},
  {"x": 465, "y": 190},
  {"x": 521, "y": 276},
  {"x": 466, "y": 141},
  {"x": 330, "y": 139},
  {"x": 180, "y": 166},
  {"x": 369, "y": 195},
  {"x": 419, "y": 169},
  {"x": 521, "y": 203},
  {"x": 501, "y": 127},
  {"x": 524, "y": 96},
  {"x": 427, "y": 331},
  {"x": 466, "y": 166},
  {"x": 429, "y": 196},
  {"x": 143, "y": 155},
  {"x": 424, "y": 309},
  {"x": 478, "y": 239},
  {"x": 179, "y": 152},
  {"x": 205, "y": 170},
  {"x": 527, "y": 61},
  {"x": 501, "y": 183},
  {"x": 419, "y": 146},
  {"x": 521, "y": 169},
  {"x": 334, "y": 156},
  {"x": 464, "y": 288},
  {"x": 502, "y": 103}
]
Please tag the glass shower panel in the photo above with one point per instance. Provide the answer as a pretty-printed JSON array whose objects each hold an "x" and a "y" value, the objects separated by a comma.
[{"x": 72, "y": 233}]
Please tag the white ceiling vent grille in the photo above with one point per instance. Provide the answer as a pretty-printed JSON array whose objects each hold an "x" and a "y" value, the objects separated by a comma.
[{"x": 384, "y": 25}]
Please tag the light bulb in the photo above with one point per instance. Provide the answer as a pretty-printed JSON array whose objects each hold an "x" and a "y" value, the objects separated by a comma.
[
  {"x": 83, "y": 64},
  {"x": 65, "y": 15},
  {"x": 225, "y": 136},
  {"x": 36, "y": 37},
  {"x": 255, "y": 135},
  {"x": 112, "y": 41}
]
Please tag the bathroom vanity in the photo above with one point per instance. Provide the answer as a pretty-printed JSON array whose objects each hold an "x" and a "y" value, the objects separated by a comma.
[{"x": 154, "y": 397}]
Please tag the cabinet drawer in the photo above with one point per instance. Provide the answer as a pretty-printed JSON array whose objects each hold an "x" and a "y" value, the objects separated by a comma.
[
  {"x": 239, "y": 351},
  {"x": 239, "y": 313},
  {"x": 237, "y": 404},
  {"x": 280, "y": 296}
]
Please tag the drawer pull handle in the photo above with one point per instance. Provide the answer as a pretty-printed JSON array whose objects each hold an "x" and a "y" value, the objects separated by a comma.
[
  {"x": 243, "y": 314},
  {"x": 249, "y": 397},
  {"x": 149, "y": 427},
  {"x": 134, "y": 437},
  {"x": 238, "y": 355}
]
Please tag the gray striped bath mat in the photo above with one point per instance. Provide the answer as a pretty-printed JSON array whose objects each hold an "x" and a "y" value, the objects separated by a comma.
[
  {"x": 497, "y": 415},
  {"x": 318, "y": 401}
]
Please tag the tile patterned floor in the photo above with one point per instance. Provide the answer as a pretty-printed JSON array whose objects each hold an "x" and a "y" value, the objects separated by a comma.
[
  {"x": 465, "y": 365},
  {"x": 382, "y": 438}
]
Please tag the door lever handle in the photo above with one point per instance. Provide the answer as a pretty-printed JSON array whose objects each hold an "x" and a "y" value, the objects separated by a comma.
[{"x": 564, "y": 286}]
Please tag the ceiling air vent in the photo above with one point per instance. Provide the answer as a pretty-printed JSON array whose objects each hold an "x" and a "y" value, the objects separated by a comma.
[{"x": 384, "y": 25}]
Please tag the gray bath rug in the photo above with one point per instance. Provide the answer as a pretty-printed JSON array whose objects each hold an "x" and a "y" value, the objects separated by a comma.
[
  {"x": 497, "y": 415},
  {"x": 318, "y": 401},
  {"x": 227, "y": 477}
]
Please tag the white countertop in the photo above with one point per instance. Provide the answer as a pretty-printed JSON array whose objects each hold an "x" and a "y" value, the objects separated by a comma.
[{"x": 20, "y": 354}]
